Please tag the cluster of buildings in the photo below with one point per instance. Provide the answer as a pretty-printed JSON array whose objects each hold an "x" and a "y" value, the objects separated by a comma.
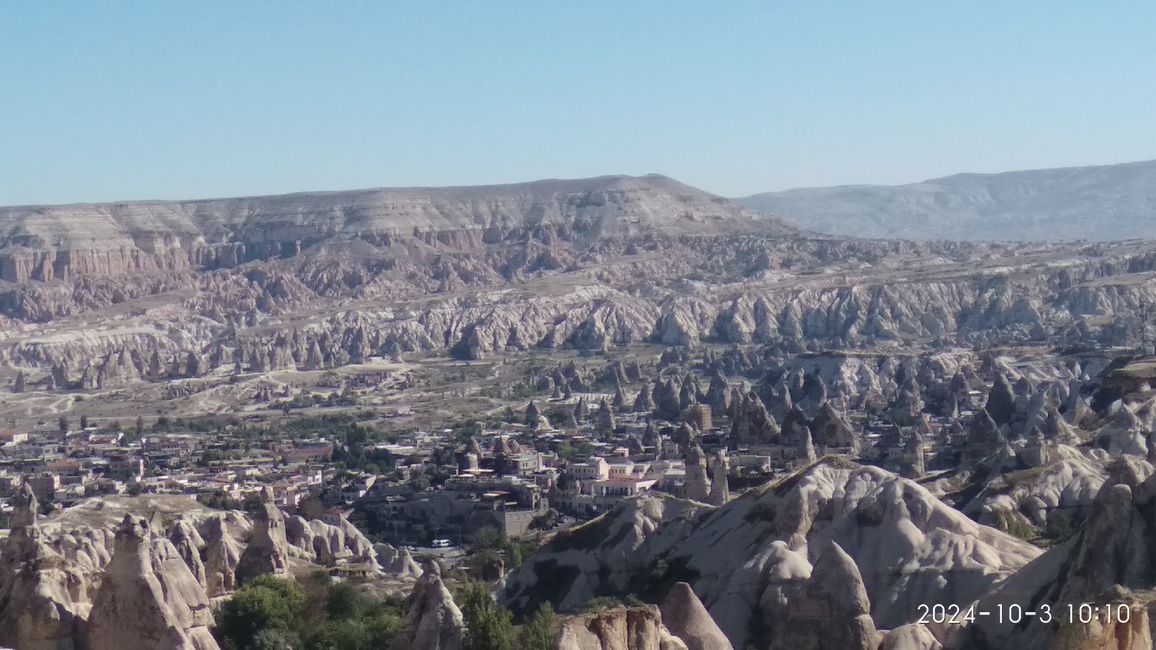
[
  {"x": 63, "y": 468},
  {"x": 517, "y": 478}
]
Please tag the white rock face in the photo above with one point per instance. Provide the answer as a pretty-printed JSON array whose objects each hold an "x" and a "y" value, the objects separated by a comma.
[
  {"x": 830, "y": 610},
  {"x": 57, "y": 572},
  {"x": 222, "y": 554},
  {"x": 187, "y": 542},
  {"x": 43, "y": 600},
  {"x": 589, "y": 264},
  {"x": 328, "y": 544},
  {"x": 910, "y": 637},
  {"x": 606, "y": 550},
  {"x": 1068, "y": 486}
]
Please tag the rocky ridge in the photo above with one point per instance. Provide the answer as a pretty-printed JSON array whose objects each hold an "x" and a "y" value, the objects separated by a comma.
[
  {"x": 1100, "y": 203},
  {"x": 332, "y": 280},
  {"x": 1104, "y": 563},
  {"x": 763, "y": 547}
]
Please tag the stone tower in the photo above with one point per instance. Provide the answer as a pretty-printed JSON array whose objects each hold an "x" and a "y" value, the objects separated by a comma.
[
  {"x": 697, "y": 487},
  {"x": 719, "y": 490}
]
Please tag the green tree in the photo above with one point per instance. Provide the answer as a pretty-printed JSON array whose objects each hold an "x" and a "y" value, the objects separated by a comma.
[
  {"x": 346, "y": 601},
  {"x": 346, "y": 634},
  {"x": 488, "y": 538},
  {"x": 312, "y": 614},
  {"x": 538, "y": 632},
  {"x": 564, "y": 450},
  {"x": 382, "y": 627},
  {"x": 488, "y": 625},
  {"x": 275, "y": 639},
  {"x": 266, "y": 605}
]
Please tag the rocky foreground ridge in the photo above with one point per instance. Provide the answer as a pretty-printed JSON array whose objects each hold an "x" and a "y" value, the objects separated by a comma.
[
  {"x": 76, "y": 581},
  {"x": 755, "y": 559},
  {"x": 796, "y": 566}
]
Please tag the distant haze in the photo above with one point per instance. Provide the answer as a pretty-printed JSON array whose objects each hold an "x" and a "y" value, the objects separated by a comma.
[{"x": 1103, "y": 203}]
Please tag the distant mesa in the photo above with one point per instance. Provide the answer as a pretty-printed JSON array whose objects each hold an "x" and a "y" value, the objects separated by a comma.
[{"x": 51, "y": 242}]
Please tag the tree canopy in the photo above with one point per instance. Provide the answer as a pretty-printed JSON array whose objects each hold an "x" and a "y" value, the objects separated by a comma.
[{"x": 317, "y": 614}]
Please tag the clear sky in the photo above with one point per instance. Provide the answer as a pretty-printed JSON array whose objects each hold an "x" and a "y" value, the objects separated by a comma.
[{"x": 108, "y": 100}]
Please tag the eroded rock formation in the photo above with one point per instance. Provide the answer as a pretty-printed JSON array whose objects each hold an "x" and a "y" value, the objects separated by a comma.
[
  {"x": 633, "y": 628},
  {"x": 268, "y": 550},
  {"x": 432, "y": 619},
  {"x": 685, "y": 617},
  {"x": 135, "y": 609}
]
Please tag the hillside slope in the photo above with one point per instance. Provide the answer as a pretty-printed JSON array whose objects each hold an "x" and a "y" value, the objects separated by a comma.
[{"x": 1103, "y": 203}]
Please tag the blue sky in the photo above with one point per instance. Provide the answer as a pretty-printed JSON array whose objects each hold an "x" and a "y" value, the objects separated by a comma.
[{"x": 115, "y": 100}]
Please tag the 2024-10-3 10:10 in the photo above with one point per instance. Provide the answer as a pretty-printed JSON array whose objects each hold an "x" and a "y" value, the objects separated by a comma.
[{"x": 1014, "y": 613}]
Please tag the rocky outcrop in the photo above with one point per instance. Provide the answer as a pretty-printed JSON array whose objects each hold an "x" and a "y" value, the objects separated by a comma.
[
  {"x": 752, "y": 424},
  {"x": 831, "y": 610},
  {"x": 432, "y": 619},
  {"x": 397, "y": 563},
  {"x": 633, "y": 628},
  {"x": 135, "y": 610},
  {"x": 595, "y": 557},
  {"x": 910, "y": 637},
  {"x": 188, "y": 543},
  {"x": 613, "y": 288},
  {"x": 719, "y": 486},
  {"x": 222, "y": 555},
  {"x": 1064, "y": 489},
  {"x": 184, "y": 595},
  {"x": 687, "y": 619},
  {"x": 698, "y": 486},
  {"x": 268, "y": 550},
  {"x": 830, "y": 429},
  {"x": 77, "y": 572},
  {"x": 43, "y": 599}
]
